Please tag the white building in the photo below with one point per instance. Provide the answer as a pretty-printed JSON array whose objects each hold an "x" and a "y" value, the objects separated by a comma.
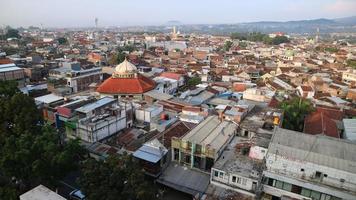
[
  {"x": 145, "y": 114},
  {"x": 304, "y": 166},
  {"x": 77, "y": 79},
  {"x": 166, "y": 85},
  {"x": 235, "y": 171},
  {"x": 41, "y": 193},
  {"x": 102, "y": 119},
  {"x": 349, "y": 76}
]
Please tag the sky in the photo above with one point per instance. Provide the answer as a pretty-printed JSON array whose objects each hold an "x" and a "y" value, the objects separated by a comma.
[{"x": 82, "y": 13}]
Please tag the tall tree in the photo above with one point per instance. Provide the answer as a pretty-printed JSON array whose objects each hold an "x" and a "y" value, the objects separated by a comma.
[
  {"x": 62, "y": 40},
  {"x": 12, "y": 33},
  {"x": 295, "y": 111},
  {"x": 193, "y": 81},
  {"x": 31, "y": 152},
  {"x": 227, "y": 45},
  {"x": 119, "y": 177}
]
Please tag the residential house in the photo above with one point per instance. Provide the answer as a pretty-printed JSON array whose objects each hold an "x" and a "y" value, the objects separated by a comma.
[
  {"x": 203, "y": 145},
  {"x": 306, "y": 91},
  {"x": 152, "y": 157},
  {"x": 102, "y": 119}
]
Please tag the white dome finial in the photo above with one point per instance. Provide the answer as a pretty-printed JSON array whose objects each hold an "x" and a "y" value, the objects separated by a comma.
[{"x": 125, "y": 70}]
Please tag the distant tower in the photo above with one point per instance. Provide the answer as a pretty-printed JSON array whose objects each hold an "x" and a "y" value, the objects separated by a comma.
[
  {"x": 174, "y": 33},
  {"x": 96, "y": 22},
  {"x": 317, "y": 35}
]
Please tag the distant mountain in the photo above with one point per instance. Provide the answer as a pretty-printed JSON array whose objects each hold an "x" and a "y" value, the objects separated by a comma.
[
  {"x": 347, "y": 20},
  {"x": 347, "y": 24},
  {"x": 321, "y": 21}
]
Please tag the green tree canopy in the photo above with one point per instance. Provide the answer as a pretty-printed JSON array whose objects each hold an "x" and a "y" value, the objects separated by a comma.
[
  {"x": 8, "y": 88},
  {"x": 260, "y": 37},
  {"x": 12, "y": 33},
  {"x": 351, "y": 63},
  {"x": 193, "y": 81},
  {"x": 117, "y": 58},
  {"x": 30, "y": 151},
  {"x": 295, "y": 111},
  {"x": 119, "y": 177},
  {"x": 227, "y": 45},
  {"x": 62, "y": 40}
]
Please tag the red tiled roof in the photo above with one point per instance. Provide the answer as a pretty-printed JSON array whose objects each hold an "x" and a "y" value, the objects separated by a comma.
[
  {"x": 5, "y": 61},
  {"x": 323, "y": 121},
  {"x": 274, "y": 103},
  {"x": 138, "y": 85},
  {"x": 178, "y": 130},
  {"x": 239, "y": 87},
  {"x": 306, "y": 88},
  {"x": 171, "y": 75}
]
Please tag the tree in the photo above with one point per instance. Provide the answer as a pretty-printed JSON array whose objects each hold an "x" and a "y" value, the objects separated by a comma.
[
  {"x": 119, "y": 177},
  {"x": 62, "y": 40},
  {"x": 8, "y": 88},
  {"x": 295, "y": 111},
  {"x": 117, "y": 58},
  {"x": 242, "y": 44},
  {"x": 279, "y": 40},
  {"x": 31, "y": 152},
  {"x": 351, "y": 63},
  {"x": 129, "y": 48},
  {"x": 193, "y": 81},
  {"x": 227, "y": 45},
  {"x": 12, "y": 33}
]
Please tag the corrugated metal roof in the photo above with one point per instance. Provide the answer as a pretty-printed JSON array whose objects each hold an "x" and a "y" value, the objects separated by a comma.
[
  {"x": 152, "y": 151},
  {"x": 211, "y": 132},
  {"x": 318, "y": 149},
  {"x": 49, "y": 98},
  {"x": 9, "y": 67},
  {"x": 89, "y": 107},
  {"x": 350, "y": 129}
]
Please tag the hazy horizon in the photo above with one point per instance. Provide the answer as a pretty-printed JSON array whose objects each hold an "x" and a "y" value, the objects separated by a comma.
[{"x": 80, "y": 13}]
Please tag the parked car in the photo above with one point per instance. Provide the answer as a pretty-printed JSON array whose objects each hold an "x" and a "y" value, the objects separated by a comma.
[{"x": 76, "y": 195}]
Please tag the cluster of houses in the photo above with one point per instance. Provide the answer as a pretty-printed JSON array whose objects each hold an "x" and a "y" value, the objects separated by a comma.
[{"x": 219, "y": 137}]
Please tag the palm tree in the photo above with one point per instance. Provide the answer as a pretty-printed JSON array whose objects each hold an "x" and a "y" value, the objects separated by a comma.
[{"x": 295, "y": 110}]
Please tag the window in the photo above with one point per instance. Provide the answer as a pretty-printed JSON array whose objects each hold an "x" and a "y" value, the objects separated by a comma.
[
  {"x": 318, "y": 174},
  {"x": 315, "y": 195},
  {"x": 176, "y": 154},
  {"x": 216, "y": 173},
  {"x": 287, "y": 187},
  {"x": 305, "y": 192},
  {"x": 234, "y": 179},
  {"x": 270, "y": 182},
  {"x": 325, "y": 197},
  {"x": 325, "y": 175},
  {"x": 296, "y": 189},
  {"x": 279, "y": 184},
  {"x": 221, "y": 174},
  {"x": 187, "y": 159}
]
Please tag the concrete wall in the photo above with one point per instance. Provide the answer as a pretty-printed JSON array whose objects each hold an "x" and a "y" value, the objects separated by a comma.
[
  {"x": 102, "y": 129},
  {"x": 257, "y": 152},
  {"x": 306, "y": 171},
  {"x": 226, "y": 179}
]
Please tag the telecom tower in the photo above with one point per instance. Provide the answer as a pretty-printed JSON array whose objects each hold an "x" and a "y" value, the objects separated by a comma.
[{"x": 96, "y": 22}]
